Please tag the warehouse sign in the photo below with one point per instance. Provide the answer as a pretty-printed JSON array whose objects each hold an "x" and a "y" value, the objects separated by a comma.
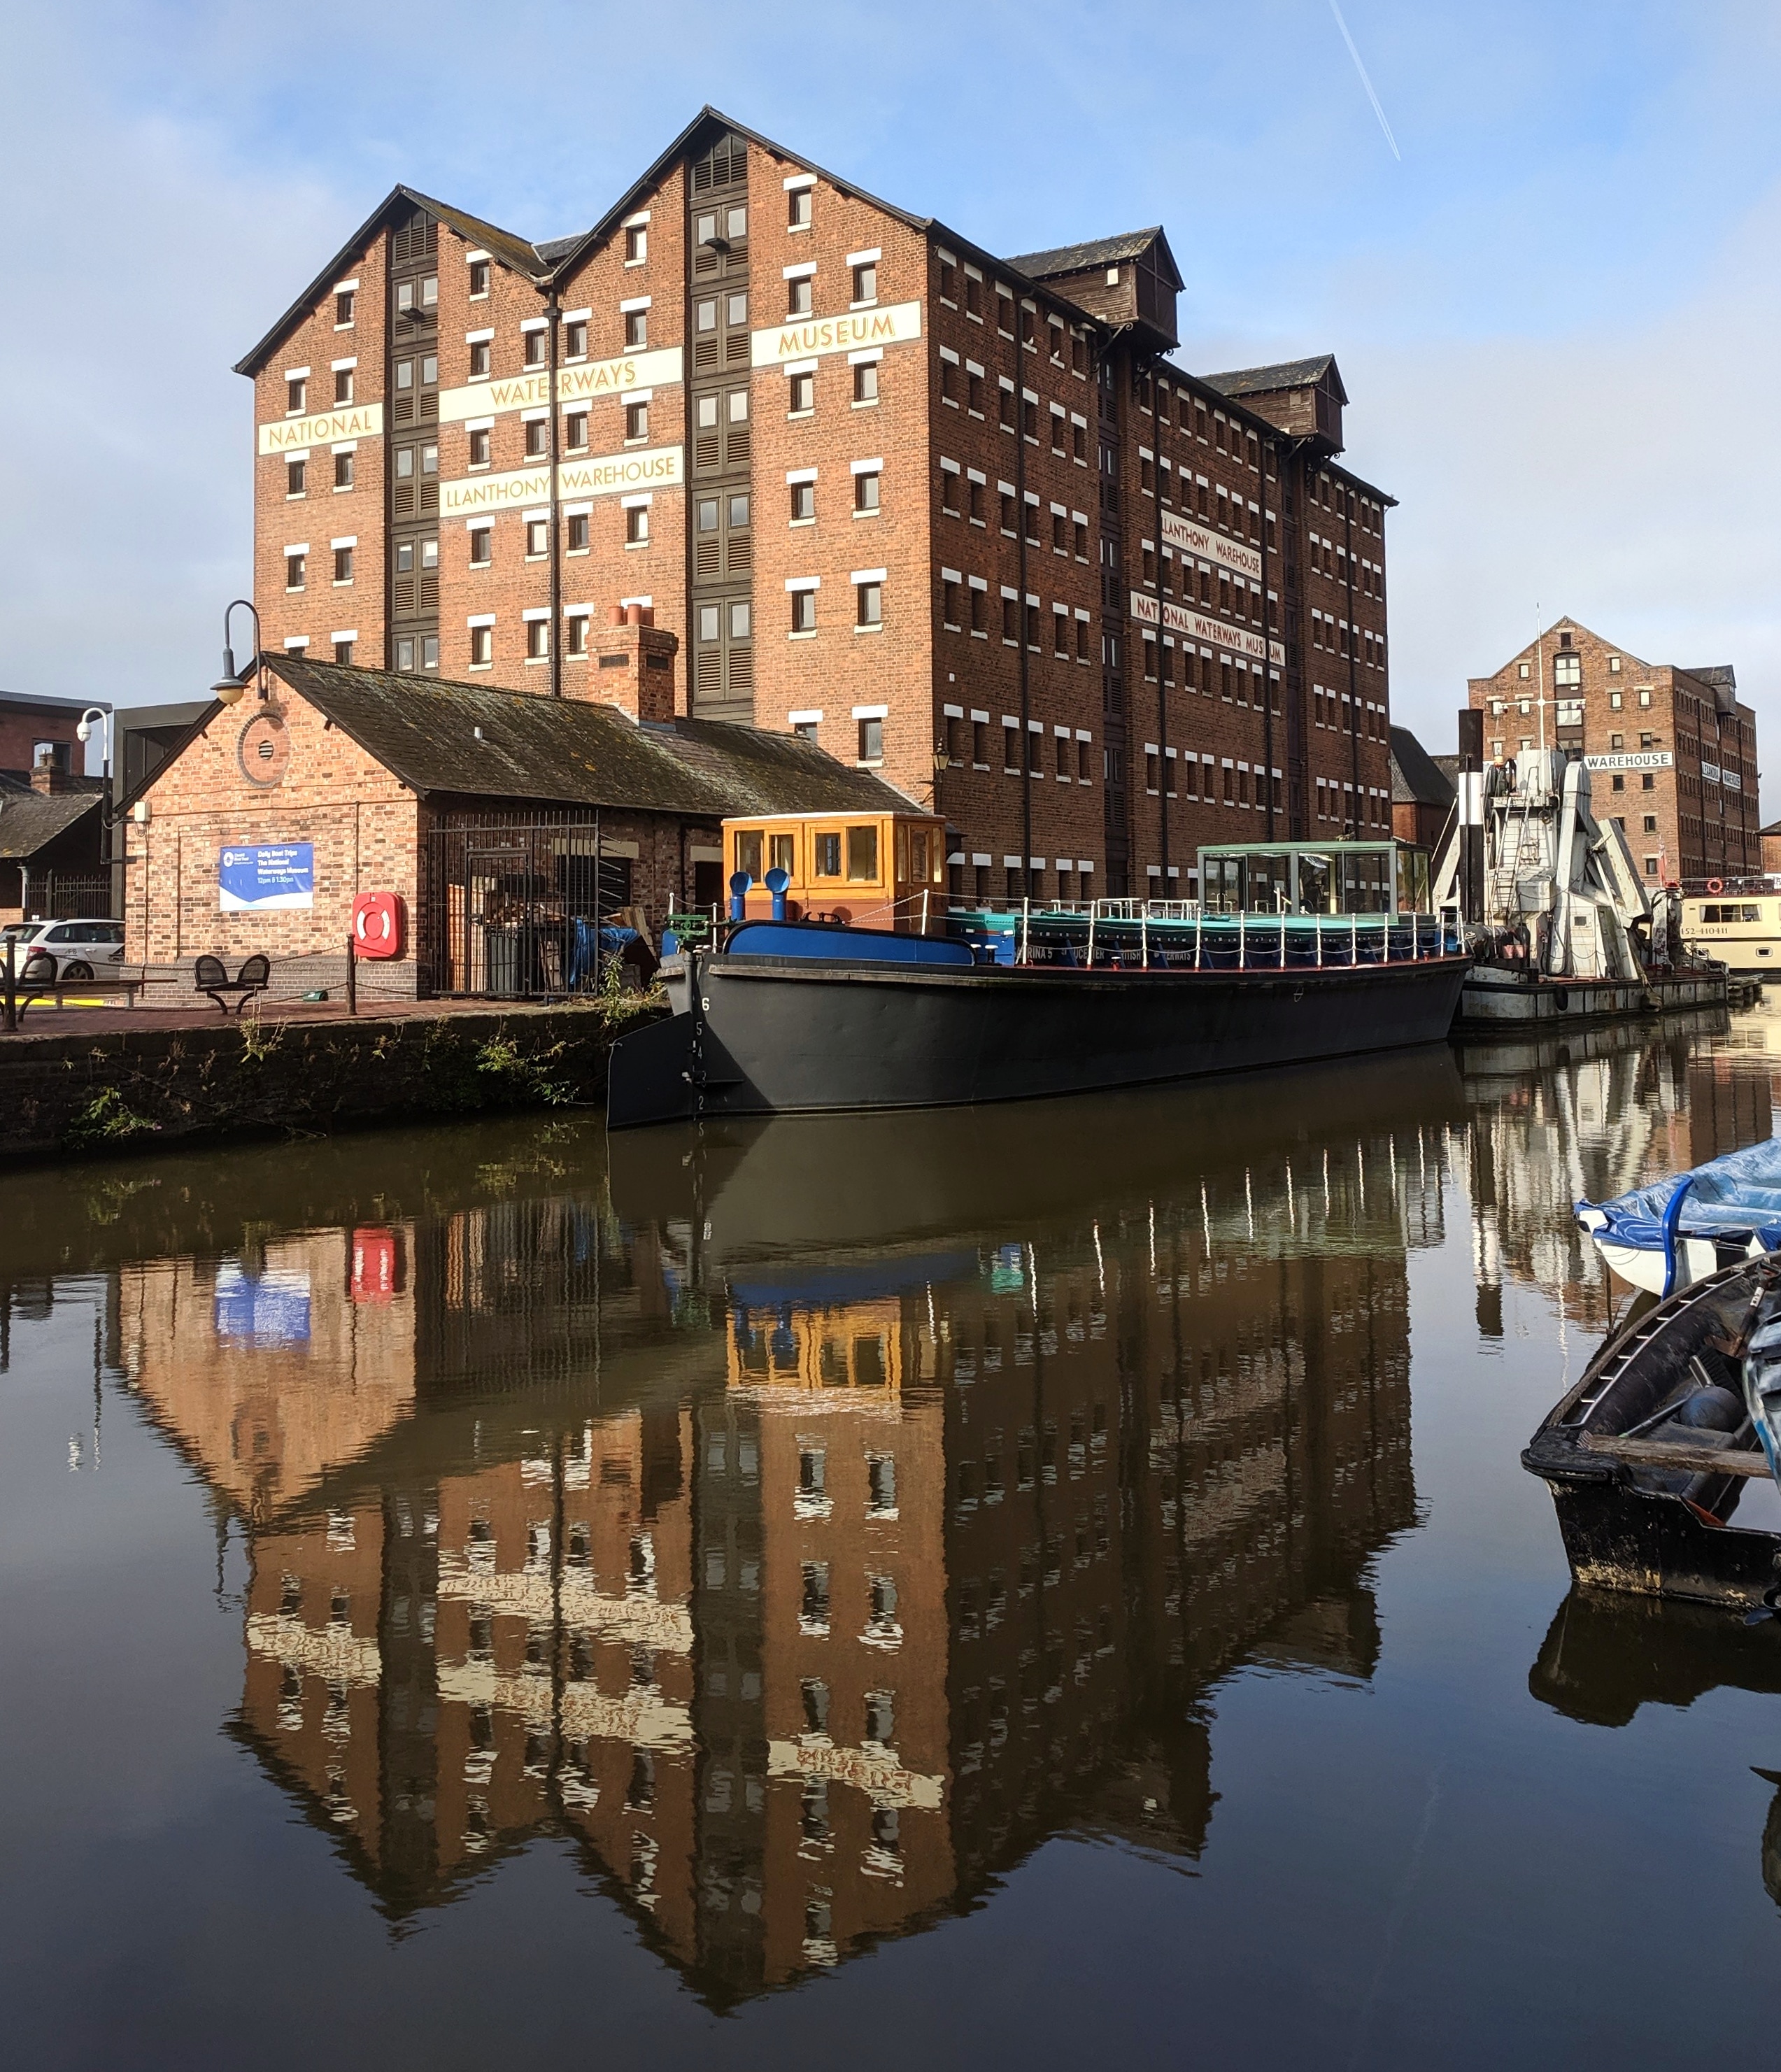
[
  {"x": 357, "y": 420},
  {"x": 525, "y": 488},
  {"x": 812, "y": 336},
  {"x": 1209, "y": 632},
  {"x": 574, "y": 384},
  {"x": 1187, "y": 535},
  {"x": 266, "y": 880},
  {"x": 1643, "y": 759}
]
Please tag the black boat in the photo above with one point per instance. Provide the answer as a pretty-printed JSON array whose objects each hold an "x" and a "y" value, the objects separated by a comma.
[
  {"x": 800, "y": 1016},
  {"x": 1649, "y": 1456}
]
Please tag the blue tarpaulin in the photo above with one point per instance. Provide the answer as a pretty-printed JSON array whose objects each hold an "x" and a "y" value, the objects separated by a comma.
[{"x": 1741, "y": 1191}]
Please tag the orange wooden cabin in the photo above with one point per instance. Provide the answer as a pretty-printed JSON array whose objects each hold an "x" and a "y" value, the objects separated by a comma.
[{"x": 877, "y": 870}]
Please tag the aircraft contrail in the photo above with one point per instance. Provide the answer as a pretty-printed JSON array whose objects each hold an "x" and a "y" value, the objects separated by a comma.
[{"x": 1366, "y": 82}]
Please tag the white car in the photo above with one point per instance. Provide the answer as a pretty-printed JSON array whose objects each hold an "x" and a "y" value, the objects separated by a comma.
[{"x": 58, "y": 952}]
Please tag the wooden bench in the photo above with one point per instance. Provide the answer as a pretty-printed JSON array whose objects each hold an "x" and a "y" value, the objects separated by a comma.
[
  {"x": 210, "y": 976},
  {"x": 27, "y": 992}
]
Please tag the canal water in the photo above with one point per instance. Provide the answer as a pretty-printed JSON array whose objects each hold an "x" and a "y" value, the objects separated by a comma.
[{"x": 1034, "y": 1586}]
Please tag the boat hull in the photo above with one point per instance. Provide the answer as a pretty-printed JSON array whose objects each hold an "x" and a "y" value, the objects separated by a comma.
[
  {"x": 1500, "y": 1001},
  {"x": 775, "y": 1036}
]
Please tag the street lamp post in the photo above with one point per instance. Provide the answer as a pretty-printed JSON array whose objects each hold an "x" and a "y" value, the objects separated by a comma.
[
  {"x": 229, "y": 688},
  {"x": 83, "y": 734}
]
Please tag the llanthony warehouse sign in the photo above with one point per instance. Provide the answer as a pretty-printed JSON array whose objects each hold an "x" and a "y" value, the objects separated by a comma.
[{"x": 655, "y": 468}]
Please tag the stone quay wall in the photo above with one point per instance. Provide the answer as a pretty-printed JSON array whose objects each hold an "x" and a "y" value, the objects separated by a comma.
[{"x": 65, "y": 1095}]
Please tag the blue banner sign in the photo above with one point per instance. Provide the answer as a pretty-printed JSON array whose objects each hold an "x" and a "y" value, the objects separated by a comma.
[
  {"x": 268, "y": 1308},
  {"x": 266, "y": 880}
]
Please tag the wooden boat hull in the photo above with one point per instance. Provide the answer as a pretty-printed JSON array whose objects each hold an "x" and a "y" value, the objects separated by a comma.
[
  {"x": 1656, "y": 1516},
  {"x": 768, "y": 1035}
]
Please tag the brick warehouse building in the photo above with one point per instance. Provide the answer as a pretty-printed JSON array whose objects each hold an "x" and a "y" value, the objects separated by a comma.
[
  {"x": 1671, "y": 752},
  {"x": 958, "y": 518}
]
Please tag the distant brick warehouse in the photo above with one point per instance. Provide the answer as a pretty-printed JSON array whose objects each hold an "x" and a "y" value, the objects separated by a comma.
[
  {"x": 958, "y": 518},
  {"x": 1671, "y": 753}
]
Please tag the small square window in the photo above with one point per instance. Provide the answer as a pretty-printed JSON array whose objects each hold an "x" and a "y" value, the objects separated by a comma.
[
  {"x": 865, "y": 282},
  {"x": 636, "y": 525},
  {"x": 296, "y": 571},
  {"x": 343, "y": 565},
  {"x": 575, "y": 430},
  {"x": 801, "y": 390},
  {"x": 538, "y": 640},
  {"x": 342, "y": 385},
  {"x": 575, "y": 339},
  {"x": 636, "y": 243},
  {"x": 575, "y": 634},
  {"x": 799, "y": 295},
  {"x": 481, "y": 359},
  {"x": 866, "y": 493},
  {"x": 344, "y": 302},
  {"x": 798, "y": 208},
  {"x": 636, "y": 327},
  {"x": 739, "y": 512},
  {"x": 481, "y": 546},
  {"x": 537, "y": 437},
  {"x": 636, "y": 420},
  {"x": 296, "y": 396},
  {"x": 804, "y": 502},
  {"x": 708, "y": 618},
  {"x": 482, "y": 646},
  {"x": 342, "y": 652},
  {"x": 478, "y": 447},
  {"x": 869, "y": 604},
  {"x": 537, "y": 348},
  {"x": 803, "y": 612},
  {"x": 866, "y": 382},
  {"x": 739, "y": 619},
  {"x": 805, "y": 730},
  {"x": 296, "y": 477},
  {"x": 342, "y": 470},
  {"x": 1650, "y": 823},
  {"x": 871, "y": 741},
  {"x": 478, "y": 276},
  {"x": 537, "y": 538},
  {"x": 1644, "y": 698},
  {"x": 405, "y": 652},
  {"x": 579, "y": 527}
]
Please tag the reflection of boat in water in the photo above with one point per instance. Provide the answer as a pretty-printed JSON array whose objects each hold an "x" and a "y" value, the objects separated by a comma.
[
  {"x": 1686, "y": 1225},
  {"x": 1653, "y": 1453}
]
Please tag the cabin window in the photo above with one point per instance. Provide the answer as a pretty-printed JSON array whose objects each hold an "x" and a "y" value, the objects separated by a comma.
[
  {"x": 781, "y": 852},
  {"x": 826, "y": 855},
  {"x": 862, "y": 856},
  {"x": 748, "y": 853}
]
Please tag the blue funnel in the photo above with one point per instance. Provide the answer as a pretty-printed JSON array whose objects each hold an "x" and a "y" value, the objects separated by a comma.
[
  {"x": 776, "y": 881},
  {"x": 739, "y": 882}
]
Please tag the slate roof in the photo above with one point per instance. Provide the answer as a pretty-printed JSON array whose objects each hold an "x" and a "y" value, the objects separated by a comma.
[
  {"x": 1415, "y": 778},
  {"x": 1282, "y": 374},
  {"x": 571, "y": 751},
  {"x": 30, "y": 820},
  {"x": 1095, "y": 251}
]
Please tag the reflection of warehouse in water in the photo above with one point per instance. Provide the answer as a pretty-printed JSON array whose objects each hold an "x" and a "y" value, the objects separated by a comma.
[{"x": 915, "y": 1559}]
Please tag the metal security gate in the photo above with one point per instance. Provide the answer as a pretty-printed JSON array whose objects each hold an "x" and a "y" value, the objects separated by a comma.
[{"x": 519, "y": 909}]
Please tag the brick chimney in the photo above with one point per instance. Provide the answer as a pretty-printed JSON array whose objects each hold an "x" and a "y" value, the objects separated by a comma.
[
  {"x": 630, "y": 664},
  {"x": 48, "y": 776}
]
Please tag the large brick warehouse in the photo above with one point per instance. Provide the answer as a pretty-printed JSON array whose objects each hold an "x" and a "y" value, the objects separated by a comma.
[{"x": 959, "y": 519}]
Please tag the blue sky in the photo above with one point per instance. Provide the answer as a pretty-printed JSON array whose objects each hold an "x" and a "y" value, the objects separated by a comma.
[{"x": 1557, "y": 315}]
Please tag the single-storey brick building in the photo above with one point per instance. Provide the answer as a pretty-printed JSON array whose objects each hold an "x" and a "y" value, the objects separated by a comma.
[{"x": 508, "y": 827}]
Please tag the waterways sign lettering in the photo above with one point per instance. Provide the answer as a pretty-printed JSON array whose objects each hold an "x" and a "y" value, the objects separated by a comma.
[
  {"x": 266, "y": 880},
  {"x": 814, "y": 336},
  {"x": 655, "y": 467},
  {"x": 574, "y": 384},
  {"x": 1211, "y": 632},
  {"x": 357, "y": 420}
]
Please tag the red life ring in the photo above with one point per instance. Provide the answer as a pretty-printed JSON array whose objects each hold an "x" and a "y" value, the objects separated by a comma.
[{"x": 1716, "y": 885}]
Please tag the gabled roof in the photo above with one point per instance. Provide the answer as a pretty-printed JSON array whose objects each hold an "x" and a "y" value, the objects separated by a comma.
[
  {"x": 514, "y": 251},
  {"x": 30, "y": 820},
  {"x": 1415, "y": 779},
  {"x": 572, "y": 751},
  {"x": 1096, "y": 252},
  {"x": 1283, "y": 374}
]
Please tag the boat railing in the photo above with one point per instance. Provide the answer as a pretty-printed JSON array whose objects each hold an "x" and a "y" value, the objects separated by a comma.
[{"x": 1122, "y": 932}]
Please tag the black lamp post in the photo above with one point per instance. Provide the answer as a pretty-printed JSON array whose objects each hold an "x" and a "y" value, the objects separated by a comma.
[{"x": 229, "y": 688}]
